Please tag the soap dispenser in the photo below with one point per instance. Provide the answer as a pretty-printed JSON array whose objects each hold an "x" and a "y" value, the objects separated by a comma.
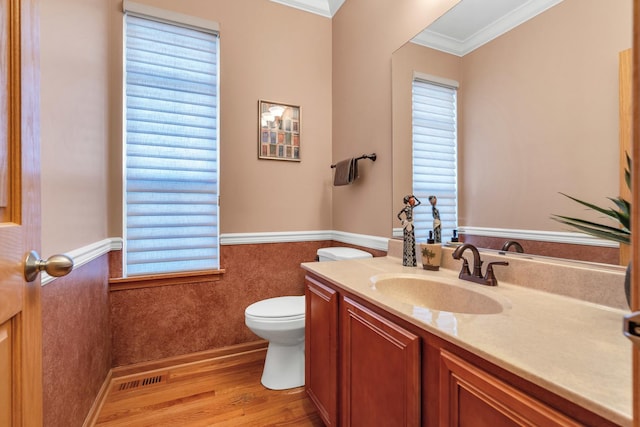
[
  {"x": 431, "y": 253},
  {"x": 454, "y": 240}
]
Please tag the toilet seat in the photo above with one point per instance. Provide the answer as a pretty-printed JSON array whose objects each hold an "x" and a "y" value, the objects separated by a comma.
[
  {"x": 277, "y": 309},
  {"x": 274, "y": 319}
]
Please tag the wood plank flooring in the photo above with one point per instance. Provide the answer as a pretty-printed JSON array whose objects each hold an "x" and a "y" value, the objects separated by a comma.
[{"x": 225, "y": 391}]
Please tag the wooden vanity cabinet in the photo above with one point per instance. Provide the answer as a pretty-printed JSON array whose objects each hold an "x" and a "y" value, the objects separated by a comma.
[
  {"x": 380, "y": 363},
  {"x": 380, "y": 369},
  {"x": 365, "y": 367}
]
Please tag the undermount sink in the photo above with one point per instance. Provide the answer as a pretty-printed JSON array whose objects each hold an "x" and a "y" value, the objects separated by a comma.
[{"x": 425, "y": 292}]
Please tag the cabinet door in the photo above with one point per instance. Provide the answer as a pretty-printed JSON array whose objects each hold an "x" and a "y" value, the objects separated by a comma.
[
  {"x": 321, "y": 349},
  {"x": 472, "y": 397},
  {"x": 380, "y": 370}
]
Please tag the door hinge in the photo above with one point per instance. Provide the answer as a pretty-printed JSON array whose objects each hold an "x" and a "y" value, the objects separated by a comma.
[{"x": 631, "y": 327}]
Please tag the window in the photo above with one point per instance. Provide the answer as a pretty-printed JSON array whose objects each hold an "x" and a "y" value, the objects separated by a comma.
[
  {"x": 434, "y": 106},
  {"x": 171, "y": 146}
]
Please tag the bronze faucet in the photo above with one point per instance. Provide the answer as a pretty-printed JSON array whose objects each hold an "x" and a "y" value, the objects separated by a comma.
[
  {"x": 510, "y": 243},
  {"x": 489, "y": 278}
]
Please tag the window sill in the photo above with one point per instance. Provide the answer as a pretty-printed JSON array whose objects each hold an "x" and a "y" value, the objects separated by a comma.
[{"x": 157, "y": 280}]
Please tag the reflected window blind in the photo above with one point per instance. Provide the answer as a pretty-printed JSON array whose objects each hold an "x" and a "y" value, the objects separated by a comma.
[
  {"x": 171, "y": 194},
  {"x": 434, "y": 156}
]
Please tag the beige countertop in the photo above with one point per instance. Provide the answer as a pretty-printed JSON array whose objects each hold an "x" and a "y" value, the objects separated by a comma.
[{"x": 571, "y": 347}]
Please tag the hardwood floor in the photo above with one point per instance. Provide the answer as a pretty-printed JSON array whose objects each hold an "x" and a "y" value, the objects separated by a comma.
[{"x": 224, "y": 391}]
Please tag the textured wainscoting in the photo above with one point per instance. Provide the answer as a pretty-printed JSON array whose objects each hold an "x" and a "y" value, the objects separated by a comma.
[
  {"x": 76, "y": 341},
  {"x": 165, "y": 321}
]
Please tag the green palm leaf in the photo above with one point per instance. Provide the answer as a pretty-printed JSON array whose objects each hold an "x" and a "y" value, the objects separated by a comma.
[
  {"x": 622, "y": 216},
  {"x": 602, "y": 231}
]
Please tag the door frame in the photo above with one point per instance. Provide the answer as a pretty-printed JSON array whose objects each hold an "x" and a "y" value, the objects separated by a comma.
[
  {"x": 635, "y": 200},
  {"x": 24, "y": 82}
]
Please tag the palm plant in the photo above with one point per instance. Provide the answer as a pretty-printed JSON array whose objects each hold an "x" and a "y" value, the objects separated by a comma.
[{"x": 621, "y": 215}]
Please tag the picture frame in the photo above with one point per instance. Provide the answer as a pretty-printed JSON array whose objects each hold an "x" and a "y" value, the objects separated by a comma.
[{"x": 279, "y": 128}]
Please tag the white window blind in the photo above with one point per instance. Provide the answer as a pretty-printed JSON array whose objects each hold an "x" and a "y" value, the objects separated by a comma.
[
  {"x": 434, "y": 156},
  {"x": 171, "y": 155}
]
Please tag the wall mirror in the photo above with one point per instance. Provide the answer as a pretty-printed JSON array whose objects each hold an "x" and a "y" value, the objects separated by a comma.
[{"x": 538, "y": 114}]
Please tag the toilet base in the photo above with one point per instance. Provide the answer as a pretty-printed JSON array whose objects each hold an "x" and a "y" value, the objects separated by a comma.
[{"x": 283, "y": 366}]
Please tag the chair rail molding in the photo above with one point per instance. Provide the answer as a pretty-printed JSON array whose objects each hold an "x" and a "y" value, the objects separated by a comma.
[
  {"x": 538, "y": 235},
  {"x": 86, "y": 254},
  {"x": 92, "y": 251},
  {"x": 372, "y": 242}
]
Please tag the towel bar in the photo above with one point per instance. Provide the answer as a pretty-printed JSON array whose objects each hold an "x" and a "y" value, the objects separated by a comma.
[{"x": 364, "y": 156}]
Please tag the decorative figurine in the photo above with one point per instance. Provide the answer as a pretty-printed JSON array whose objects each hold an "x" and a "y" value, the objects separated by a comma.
[
  {"x": 437, "y": 224},
  {"x": 409, "y": 246}
]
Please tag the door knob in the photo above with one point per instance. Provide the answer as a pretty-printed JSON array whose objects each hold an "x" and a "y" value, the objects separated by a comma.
[{"x": 56, "y": 266}]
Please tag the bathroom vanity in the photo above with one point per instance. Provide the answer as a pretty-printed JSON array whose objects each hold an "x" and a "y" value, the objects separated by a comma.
[{"x": 394, "y": 345}]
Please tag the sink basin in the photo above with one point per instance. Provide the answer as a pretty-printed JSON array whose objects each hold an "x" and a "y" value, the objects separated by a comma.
[{"x": 435, "y": 295}]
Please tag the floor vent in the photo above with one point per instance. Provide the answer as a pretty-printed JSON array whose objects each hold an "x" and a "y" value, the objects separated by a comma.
[{"x": 140, "y": 382}]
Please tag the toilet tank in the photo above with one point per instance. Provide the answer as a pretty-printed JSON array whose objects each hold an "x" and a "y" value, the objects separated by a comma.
[{"x": 341, "y": 253}]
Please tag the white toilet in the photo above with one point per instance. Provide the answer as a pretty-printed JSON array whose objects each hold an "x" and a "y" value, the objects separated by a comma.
[{"x": 280, "y": 321}]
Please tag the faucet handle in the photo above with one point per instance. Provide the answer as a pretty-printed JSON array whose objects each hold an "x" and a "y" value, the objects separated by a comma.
[{"x": 490, "y": 277}]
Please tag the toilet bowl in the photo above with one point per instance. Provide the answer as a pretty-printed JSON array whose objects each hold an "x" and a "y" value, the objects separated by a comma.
[{"x": 280, "y": 321}]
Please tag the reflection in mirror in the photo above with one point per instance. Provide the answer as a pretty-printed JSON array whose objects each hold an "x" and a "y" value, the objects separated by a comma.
[{"x": 538, "y": 114}]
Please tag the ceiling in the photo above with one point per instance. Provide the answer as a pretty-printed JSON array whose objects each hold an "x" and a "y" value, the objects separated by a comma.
[{"x": 467, "y": 26}]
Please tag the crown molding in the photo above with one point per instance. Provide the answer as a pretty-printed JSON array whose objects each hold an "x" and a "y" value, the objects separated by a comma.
[
  {"x": 500, "y": 26},
  {"x": 326, "y": 8}
]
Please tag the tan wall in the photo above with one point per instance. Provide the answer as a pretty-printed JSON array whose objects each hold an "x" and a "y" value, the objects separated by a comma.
[
  {"x": 268, "y": 51},
  {"x": 339, "y": 71},
  {"x": 75, "y": 91},
  {"x": 365, "y": 34},
  {"x": 538, "y": 115}
]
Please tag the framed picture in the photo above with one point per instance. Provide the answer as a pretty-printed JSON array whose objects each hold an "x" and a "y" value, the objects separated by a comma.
[{"x": 278, "y": 131}]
